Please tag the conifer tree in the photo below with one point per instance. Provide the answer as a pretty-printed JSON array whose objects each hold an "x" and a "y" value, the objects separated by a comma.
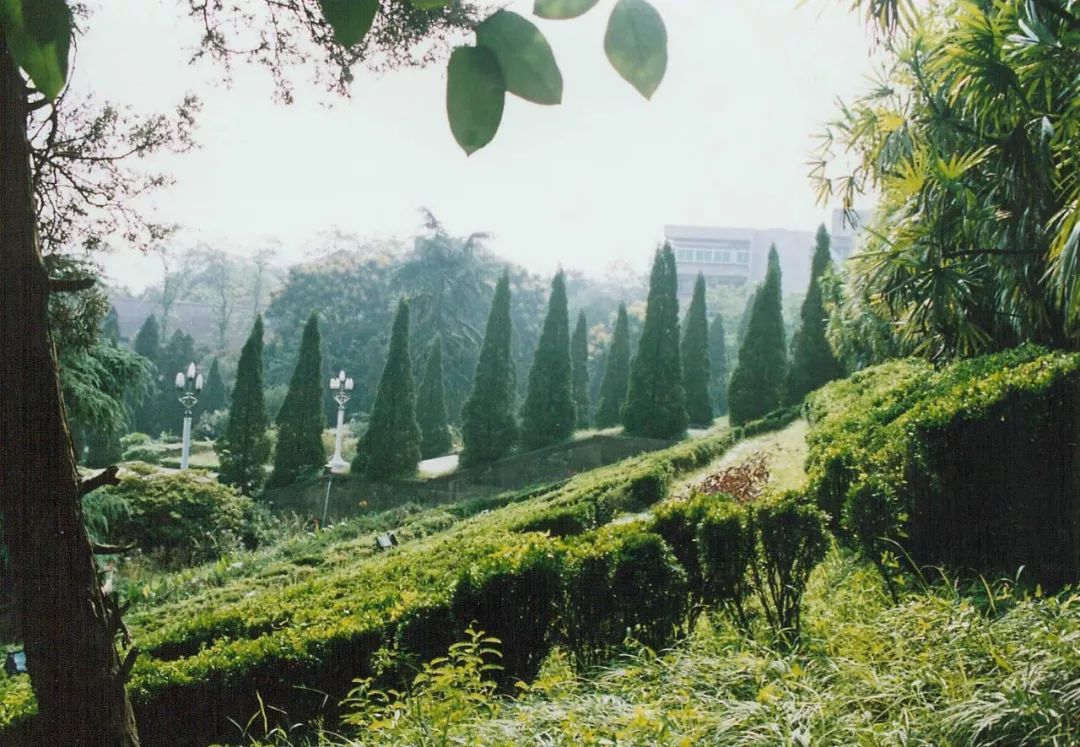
[
  {"x": 695, "y": 359},
  {"x": 431, "y": 406},
  {"x": 488, "y": 428},
  {"x": 245, "y": 445},
  {"x": 147, "y": 343},
  {"x": 744, "y": 318},
  {"x": 718, "y": 370},
  {"x": 110, "y": 326},
  {"x": 302, "y": 419},
  {"x": 175, "y": 358},
  {"x": 812, "y": 361},
  {"x": 548, "y": 415},
  {"x": 616, "y": 373},
  {"x": 391, "y": 446},
  {"x": 213, "y": 395},
  {"x": 655, "y": 400},
  {"x": 757, "y": 384},
  {"x": 579, "y": 372}
]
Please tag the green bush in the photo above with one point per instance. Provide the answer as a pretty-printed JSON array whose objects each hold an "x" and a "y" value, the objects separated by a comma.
[
  {"x": 677, "y": 522},
  {"x": 514, "y": 595},
  {"x": 619, "y": 581},
  {"x": 726, "y": 547},
  {"x": 217, "y": 635},
  {"x": 792, "y": 538},
  {"x": 970, "y": 466},
  {"x": 182, "y": 518}
]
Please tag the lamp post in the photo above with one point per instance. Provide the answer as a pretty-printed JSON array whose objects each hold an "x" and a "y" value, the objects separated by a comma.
[
  {"x": 187, "y": 391},
  {"x": 342, "y": 388}
]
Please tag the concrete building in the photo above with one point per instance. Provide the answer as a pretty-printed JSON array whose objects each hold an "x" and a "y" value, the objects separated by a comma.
[{"x": 736, "y": 256}]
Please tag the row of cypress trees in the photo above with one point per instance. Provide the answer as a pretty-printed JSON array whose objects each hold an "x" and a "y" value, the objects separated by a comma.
[
  {"x": 675, "y": 380},
  {"x": 763, "y": 380}
]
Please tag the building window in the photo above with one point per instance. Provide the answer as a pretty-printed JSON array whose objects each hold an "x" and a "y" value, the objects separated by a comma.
[
  {"x": 743, "y": 258},
  {"x": 726, "y": 256}
]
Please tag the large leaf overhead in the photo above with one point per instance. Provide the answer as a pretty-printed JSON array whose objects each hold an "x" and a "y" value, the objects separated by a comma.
[
  {"x": 528, "y": 66},
  {"x": 636, "y": 45},
  {"x": 561, "y": 9},
  {"x": 350, "y": 19},
  {"x": 38, "y": 33},
  {"x": 475, "y": 96},
  {"x": 429, "y": 4}
]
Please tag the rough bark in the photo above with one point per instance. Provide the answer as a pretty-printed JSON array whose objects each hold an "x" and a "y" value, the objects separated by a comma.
[{"x": 68, "y": 625}]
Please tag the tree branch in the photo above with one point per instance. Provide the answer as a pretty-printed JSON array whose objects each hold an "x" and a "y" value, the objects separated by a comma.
[
  {"x": 70, "y": 285},
  {"x": 107, "y": 476}
]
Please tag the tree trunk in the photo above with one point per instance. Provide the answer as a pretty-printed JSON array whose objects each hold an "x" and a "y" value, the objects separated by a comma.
[{"x": 68, "y": 629}]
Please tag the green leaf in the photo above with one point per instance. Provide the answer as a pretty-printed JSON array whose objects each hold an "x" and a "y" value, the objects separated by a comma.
[
  {"x": 38, "y": 33},
  {"x": 636, "y": 45},
  {"x": 429, "y": 4},
  {"x": 475, "y": 96},
  {"x": 350, "y": 19},
  {"x": 562, "y": 9},
  {"x": 528, "y": 66}
]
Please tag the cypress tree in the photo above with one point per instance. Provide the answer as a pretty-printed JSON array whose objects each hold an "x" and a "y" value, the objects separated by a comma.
[
  {"x": 616, "y": 373},
  {"x": 431, "y": 406},
  {"x": 147, "y": 343},
  {"x": 695, "y": 359},
  {"x": 718, "y": 365},
  {"x": 177, "y": 355},
  {"x": 757, "y": 385},
  {"x": 548, "y": 415},
  {"x": 213, "y": 394},
  {"x": 812, "y": 361},
  {"x": 391, "y": 446},
  {"x": 655, "y": 400},
  {"x": 245, "y": 445},
  {"x": 110, "y": 326},
  {"x": 488, "y": 428},
  {"x": 744, "y": 320},
  {"x": 301, "y": 420},
  {"x": 579, "y": 371}
]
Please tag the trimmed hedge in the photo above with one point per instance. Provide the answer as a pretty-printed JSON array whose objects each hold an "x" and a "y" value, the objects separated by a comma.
[
  {"x": 207, "y": 656},
  {"x": 973, "y": 466}
]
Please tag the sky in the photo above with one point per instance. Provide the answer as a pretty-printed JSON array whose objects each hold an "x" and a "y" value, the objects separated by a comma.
[{"x": 725, "y": 140}]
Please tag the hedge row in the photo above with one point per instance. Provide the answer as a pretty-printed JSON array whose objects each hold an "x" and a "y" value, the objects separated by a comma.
[
  {"x": 205, "y": 657},
  {"x": 974, "y": 465}
]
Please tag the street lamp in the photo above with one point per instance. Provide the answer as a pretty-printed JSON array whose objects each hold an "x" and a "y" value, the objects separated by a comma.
[
  {"x": 342, "y": 388},
  {"x": 187, "y": 391}
]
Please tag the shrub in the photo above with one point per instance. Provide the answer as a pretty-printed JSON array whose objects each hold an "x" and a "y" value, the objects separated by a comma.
[
  {"x": 514, "y": 595},
  {"x": 970, "y": 466},
  {"x": 792, "y": 538},
  {"x": 677, "y": 522},
  {"x": 183, "y": 517},
  {"x": 726, "y": 546},
  {"x": 622, "y": 580}
]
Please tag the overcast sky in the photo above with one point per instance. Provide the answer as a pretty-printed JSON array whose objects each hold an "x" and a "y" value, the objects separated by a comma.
[{"x": 723, "y": 142}]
